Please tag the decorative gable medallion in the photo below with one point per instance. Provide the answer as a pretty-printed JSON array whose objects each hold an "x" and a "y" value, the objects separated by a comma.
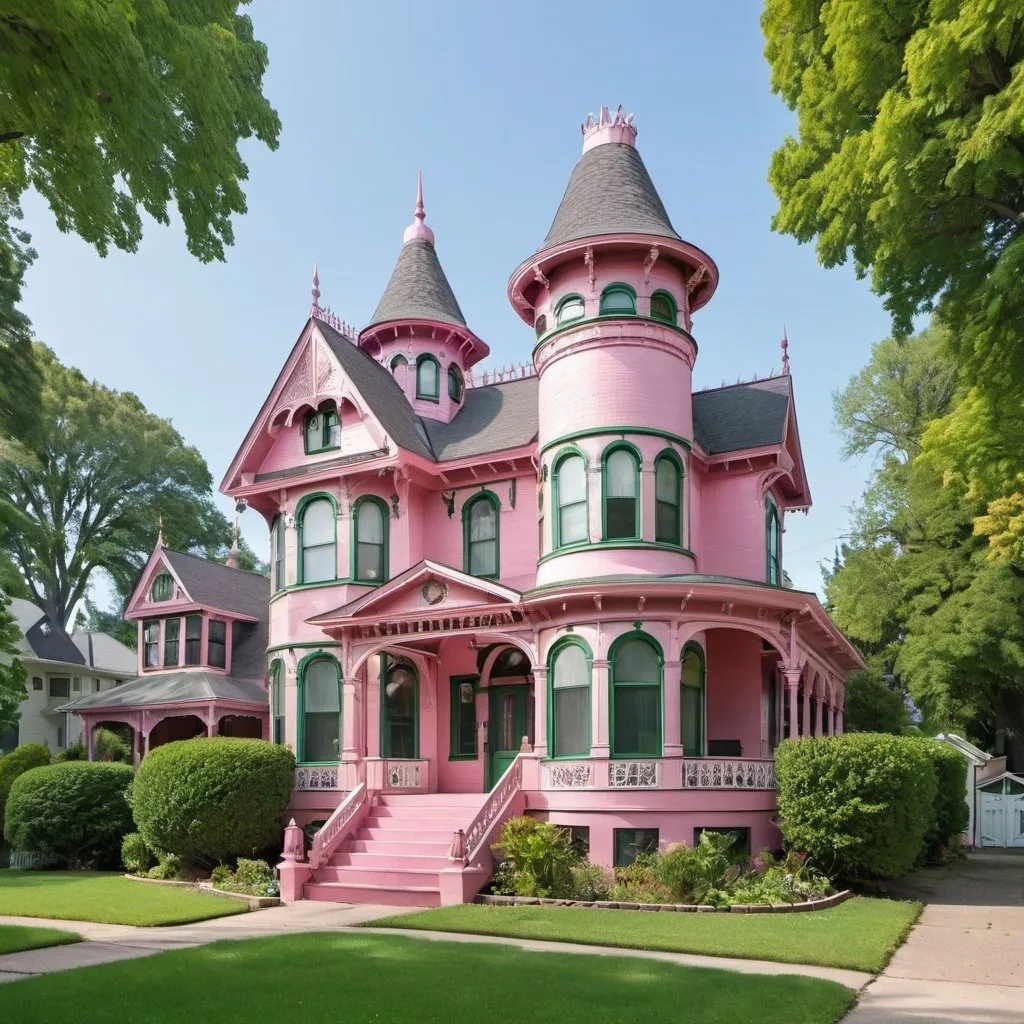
[{"x": 434, "y": 591}]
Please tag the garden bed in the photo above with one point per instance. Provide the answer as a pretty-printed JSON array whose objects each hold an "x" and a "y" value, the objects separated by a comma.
[
  {"x": 737, "y": 908},
  {"x": 254, "y": 902}
]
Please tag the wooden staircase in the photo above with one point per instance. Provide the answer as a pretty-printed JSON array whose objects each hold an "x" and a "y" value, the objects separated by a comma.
[{"x": 396, "y": 854}]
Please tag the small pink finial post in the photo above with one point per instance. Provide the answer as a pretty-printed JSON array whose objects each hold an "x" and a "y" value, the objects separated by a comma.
[
  {"x": 607, "y": 128},
  {"x": 315, "y": 306},
  {"x": 785, "y": 352},
  {"x": 418, "y": 227},
  {"x": 160, "y": 530}
]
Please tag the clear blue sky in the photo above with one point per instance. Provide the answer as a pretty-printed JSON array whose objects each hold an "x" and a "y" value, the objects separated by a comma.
[{"x": 487, "y": 99}]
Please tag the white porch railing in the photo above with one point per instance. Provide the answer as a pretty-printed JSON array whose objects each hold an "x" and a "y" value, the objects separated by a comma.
[
  {"x": 503, "y": 801},
  {"x": 393, "y": 775},
  {"x": 345, "y": 818},
  {"x": 658, "y": 773},
  {"x": 729, "y": 773},
  {"x": 317, "y": 777}
]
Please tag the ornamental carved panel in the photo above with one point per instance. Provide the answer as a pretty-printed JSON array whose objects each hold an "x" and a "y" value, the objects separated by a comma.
[
  {"x": 632, "y": 774},
  {"x": 323, "y": 777},
  {"x": 567, "y": 776}
]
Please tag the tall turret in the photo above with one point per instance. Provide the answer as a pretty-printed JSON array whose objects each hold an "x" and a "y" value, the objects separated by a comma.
[
  {"x": 418, "y": 330},
  {"x": 610, "y": 294}
]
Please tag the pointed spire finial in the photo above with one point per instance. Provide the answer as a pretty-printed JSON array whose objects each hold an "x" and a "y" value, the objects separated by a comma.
[
  {"x": 315, "y": 306},
  {"x": 418, "y": 227},
  {"x": 160, "y": 530},
  {"x": 785, "y": 352}
]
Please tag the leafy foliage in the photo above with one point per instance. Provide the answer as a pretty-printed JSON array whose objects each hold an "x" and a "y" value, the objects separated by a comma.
[
  {"x": 73, "y": 752},
  {"x": 136, "y": 855},
  {"x": 951, "y": 813},
  {"x": 12, "y": 671},
  {"x": 872, "y": 705},
  {"x": 19, "y": 761},
  {"x": 72, "y": 814},
  {"x": 107, "y": 745},
  {"x": 251, "y": 877},
  {"x": 538, "y": 858},
  {"x": 211, "y": 800}
]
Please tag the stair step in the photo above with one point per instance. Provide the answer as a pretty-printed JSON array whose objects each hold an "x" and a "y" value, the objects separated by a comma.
[
  {"x": 375, "y": 858},
  {"x": 404, "y": 812},
  {"x": 389, "y": 895},
  {"x": 433, "y": 800},
  {"x": 406, "y": 835},
  {"x": 412, "y": 848},
  {"x": 448, "y": 825},
  {"x": 387, "y": 877}
]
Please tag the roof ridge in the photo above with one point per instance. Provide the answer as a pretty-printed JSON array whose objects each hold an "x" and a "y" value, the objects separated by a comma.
[
  {"x": 216, "y": 562},
  {"x": 741, "y": 384}
]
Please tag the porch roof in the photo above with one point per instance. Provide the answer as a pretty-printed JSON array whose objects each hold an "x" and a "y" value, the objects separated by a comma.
[{"x": 172, "y": 688}]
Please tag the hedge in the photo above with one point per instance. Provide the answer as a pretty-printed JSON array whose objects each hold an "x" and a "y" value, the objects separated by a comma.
[
  {"x": 19, "y": 760},
  {"x": 74, "y": 813},
  {"x": 951, "y": 812},
  {"x": 862, "y": 804},
  {"x": 211, "y": 800}
]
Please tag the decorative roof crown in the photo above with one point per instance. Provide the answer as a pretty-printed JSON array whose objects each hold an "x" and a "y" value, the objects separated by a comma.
[
  {"x": 608, "y": 129},
  {"x": 418, "y": 228}
]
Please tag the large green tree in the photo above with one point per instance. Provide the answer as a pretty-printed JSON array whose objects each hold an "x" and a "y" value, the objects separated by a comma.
[
  {"x": 112, "y": 109},
  {"x": 12, "y": 671},
  {"x": 104, "y": 472}
]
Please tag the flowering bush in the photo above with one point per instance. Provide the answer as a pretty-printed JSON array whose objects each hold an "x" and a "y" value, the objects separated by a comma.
[{"x": 251, "y": 877}]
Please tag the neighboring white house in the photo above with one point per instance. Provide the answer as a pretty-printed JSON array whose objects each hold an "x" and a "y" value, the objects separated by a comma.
[
  {"x": 60, "y": 667},
  {"x": 982, "y": 769}
]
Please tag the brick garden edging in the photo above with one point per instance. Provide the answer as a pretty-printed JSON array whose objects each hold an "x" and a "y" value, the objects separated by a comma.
[{"x": 739, "y": 908}]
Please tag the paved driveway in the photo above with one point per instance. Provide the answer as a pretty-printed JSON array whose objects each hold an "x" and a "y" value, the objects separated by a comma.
[{"x": 964, "y": 961}]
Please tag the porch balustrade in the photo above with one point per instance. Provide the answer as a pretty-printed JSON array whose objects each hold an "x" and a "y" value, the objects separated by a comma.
[
  {"x": 343, "y": 821},
  {"x": 393, "y": 775},
  {"x": 734, "y": 773},
  {"x": 666, "y": 773}
]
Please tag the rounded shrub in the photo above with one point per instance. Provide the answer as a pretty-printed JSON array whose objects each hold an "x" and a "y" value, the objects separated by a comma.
[
  {"x": 862, "y": 804},
  {"x": 19, "y": 761},
  {"x": 212, "y": 800},
  {"x": 951, "y": 815},
  {"x": 136, "y": 855},
  {"x": 74, "y": 814}
]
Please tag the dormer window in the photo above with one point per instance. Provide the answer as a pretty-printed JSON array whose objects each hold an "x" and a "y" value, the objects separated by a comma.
[
  {"x": 162, "y": 588},
  {"x": 618, "y": 300},
  {"x": 569, "y": 309},
  {"x": 663, "y": 307},
  {"x": 322, "y": 429},
  {"x": 455, "y": 383},
  {"x": 428, "y": 378}
]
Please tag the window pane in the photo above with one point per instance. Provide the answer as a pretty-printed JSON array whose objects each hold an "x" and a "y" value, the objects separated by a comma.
[
  {"x": 482, "y": 520},
  {"x": 571, "y": 309},
  {"x": 370, "y": 523},
  {"x": 426, "y": 378},
  {"x": 637, "y": 720},
  {"x": 636, "y": 661},
  {"x": 454, "y": 384},
  {"x": 318, "y": 523},
  {"x": 666, "y": 522},
  {"x": 620, "y": 517},
  {"x": 573, "y": 523},
  {"x": 662, "y": 308},
  {"x": 620, "y": 470},
  {"x": 369, "y": 561},
  {"x": 692, "y": 710},
  {"x": 320, "y": 687},
  {"x": 463, "y": 718},
  {"x": 215, "y": 643},
  {"x": 332, "y": 429},
  {"x": 320, "y": 736},
  {"x": 666, "y": 481},
  {"x": 151, "y": 637},
  {"x": 693, "y": 668},
  {"x": 400, "y": 712},
  {"x": 630, "y": 842},
  {"x": 193, "y": 639},
  {"x": 572, "y": 480},
  {"x": 162, "y": 588},
  {"x": 172, "y": 630},
  {"x": 483, "y": 558},
  {"x": 60, "y": 687},
  {"x": 571, "y": 668},
  {"x": 312, "y": 432},
  {"x": 318, "y": 564},
  {"x": 617, "y": 299},
  {"x": 572, "y": 720}
]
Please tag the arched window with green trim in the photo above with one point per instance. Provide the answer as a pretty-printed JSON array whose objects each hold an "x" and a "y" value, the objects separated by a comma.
[
  {"x": 773, "y": 540},
  {"x": 322, "y": 430},
  {"x": 456, "y": 385},
  {"x": 397, "y": 362},
  {"x": 162, "y": 588},
  {"x": 620, "y": 484},
  {"x": 277, "y": 555},
  {"x": 663, "y": 307},
  {"x": 636, "y": 682},
  {"x": 318, "y": 540},
  {"x": 569, "y": 308},
  {"x": 277, "y": 700},
  {"x": 570, "y": 482},
  {"x": 668, "y": 498},
  {"x": 618, "y": 300},
  {"x": 400, "y": 709},
  {"x": 480, "y": 530},
  {"x": 370, "y": 540},
  {"x": 320, "y": 704},
  {"x": 569, "y": 666},
  {"x": 428, "y": 378},
  {"x": 692, "y": 685}
]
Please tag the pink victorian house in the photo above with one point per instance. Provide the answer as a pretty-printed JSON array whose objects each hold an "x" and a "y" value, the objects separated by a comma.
[{"x": 555, "y": 590}]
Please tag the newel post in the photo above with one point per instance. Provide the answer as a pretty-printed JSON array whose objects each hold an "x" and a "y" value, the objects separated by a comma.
[{"x": 293, "y": 871}]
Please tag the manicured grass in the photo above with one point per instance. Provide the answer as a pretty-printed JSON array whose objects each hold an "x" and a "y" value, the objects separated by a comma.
[
  {"x": 860, "y": 934},
  {"x": 14, "y": 938},
  {"x": 106, "y": 898},
  {"x": 389, "y": 979}
]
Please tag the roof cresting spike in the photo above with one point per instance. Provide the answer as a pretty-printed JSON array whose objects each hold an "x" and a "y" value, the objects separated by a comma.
[
  {"x": 418, "y": 228},
  {"x": 785, "y": 352},
  {"x": 315, "y": 306}
]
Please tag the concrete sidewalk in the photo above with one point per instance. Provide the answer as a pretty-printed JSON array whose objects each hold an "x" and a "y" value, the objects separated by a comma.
[
  {"x": 964, "y": 960},
  {"x": 108, "y": 942}
]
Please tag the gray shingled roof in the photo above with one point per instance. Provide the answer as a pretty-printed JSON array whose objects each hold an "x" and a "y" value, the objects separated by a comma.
[
  {"x": 172, "y": 688},
  {"x": 741, "y": 416},
  {"x": 43, "y": 637},
  {"x": 609, "y": 193},
  {"x": 492, "y": 419},
  {"x": 418, "y": 289},
  {"x": 381, "y": 391},
  {"x": 216, "y": 585}
]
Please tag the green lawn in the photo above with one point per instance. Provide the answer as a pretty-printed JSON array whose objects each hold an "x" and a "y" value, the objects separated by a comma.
[
  {"x": 14, "y": 938},
  {"x": 860, "y": 934},
  {"x": 106, "y": 898},
  {"x": 389, "y": 979}
]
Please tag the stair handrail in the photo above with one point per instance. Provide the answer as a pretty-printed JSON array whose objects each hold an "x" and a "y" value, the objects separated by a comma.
[
  {"x": 338, "y": 825},
  {"x": 467, "y": 843}
]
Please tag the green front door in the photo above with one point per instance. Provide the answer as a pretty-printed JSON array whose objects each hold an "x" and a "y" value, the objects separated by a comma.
[{"x": 506, "y": 727}]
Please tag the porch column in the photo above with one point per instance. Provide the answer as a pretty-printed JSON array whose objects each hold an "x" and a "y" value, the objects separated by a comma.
[
  {"x": 832, "y": 720},
  {"x": 349, "y": 731},
  {"x": 818, "y": 701},
  {"x": 540, "y": 711},
  {"x": 89, "y": 726},
  {"x": 211, "y": 712},
  {"x": 806, "y": 731},
  {"x": 599, "y": 739},
  {"x": 671, "y": 728},
  {"x": 792, "y": 684},
  {"x": 839, "y": 721}
]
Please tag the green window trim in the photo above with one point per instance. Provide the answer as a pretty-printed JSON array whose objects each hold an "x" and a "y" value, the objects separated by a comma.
[
  {"x": 277, "y": 719},
  {"x": 575, "y": 324},
  {"x": 563, "y": 315},
  {"x": 772, "y": 541},
  {"x": 556, "y": 506},
  {"x": 661, "y": 503},
  {"x": 557, "y": 649},
  {"x": 321, "y": 427},
  {"x": 162, "y": 588},
  {"x": 460, "y": 746},
  {"x": 634, "y": 453},
  {"x": 301, "y": 672},
  {"x": 618, "y": 433},
  {"x": 615, "y": 684},
  {"x": 300, "y": 517},
  {"x": 616, "y": 293},
  {"x": 435, "y": 394},
  {"x": 387, "y": 736},
  {"x": 456, "y": 384},
  {"x": 383, "y": 555},
  {"x": 467, "y": 541},
  {"x": 697, "y": 698},
  {"x": 278, "y": 543},
  {"x": 670, "y": 309}
]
